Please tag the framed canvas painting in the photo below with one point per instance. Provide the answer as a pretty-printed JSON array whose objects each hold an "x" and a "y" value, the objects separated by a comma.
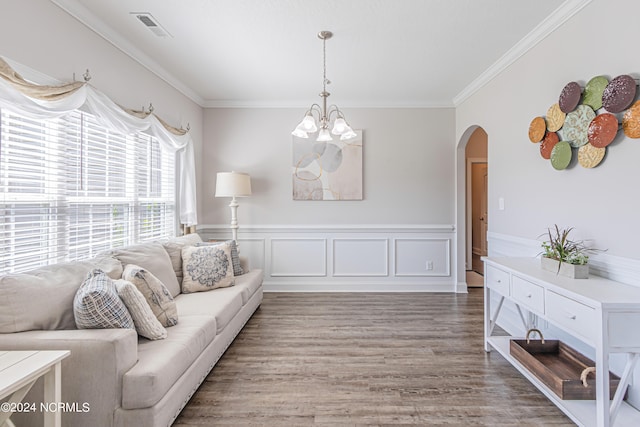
[{"x": 329, "y": 170}]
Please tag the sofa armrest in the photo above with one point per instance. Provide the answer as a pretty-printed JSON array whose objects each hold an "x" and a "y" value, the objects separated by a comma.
[{"x": 92, "y": 374}]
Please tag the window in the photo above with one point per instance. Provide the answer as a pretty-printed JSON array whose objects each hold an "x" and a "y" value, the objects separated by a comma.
[{"x": 71, "y": 188}]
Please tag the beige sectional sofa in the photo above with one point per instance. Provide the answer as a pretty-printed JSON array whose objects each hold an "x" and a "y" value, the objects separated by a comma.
[{"x": 126, "y": 380}]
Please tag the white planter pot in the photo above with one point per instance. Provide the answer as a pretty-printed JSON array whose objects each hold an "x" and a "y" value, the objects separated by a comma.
[{"x": 565, "y": 269}]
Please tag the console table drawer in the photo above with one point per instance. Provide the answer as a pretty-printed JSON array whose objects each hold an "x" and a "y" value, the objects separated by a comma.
[
  {"x": 498, "y": 280},
  {"x": 572, "y": 315},
  {"x": 528, "y": 294}
]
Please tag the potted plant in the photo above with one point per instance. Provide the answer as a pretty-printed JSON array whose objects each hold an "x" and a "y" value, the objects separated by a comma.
[{"x": 565, "y": 256}]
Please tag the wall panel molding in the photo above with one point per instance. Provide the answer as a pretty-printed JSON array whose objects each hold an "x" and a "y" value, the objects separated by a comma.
[
  {"x": 360, "y": 257},
  {"x": 413, "y": 255},
  {"x": 347, "y": 258},
  {"x": 624, "y": 270},
  {"x": 298, "y": 257}
]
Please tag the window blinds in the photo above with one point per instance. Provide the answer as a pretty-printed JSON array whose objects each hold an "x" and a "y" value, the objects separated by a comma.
[{"x": 71, "y": 188}]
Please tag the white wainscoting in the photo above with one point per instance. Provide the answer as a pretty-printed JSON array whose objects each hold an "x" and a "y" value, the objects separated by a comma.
[{"x": 371, "y": 258}]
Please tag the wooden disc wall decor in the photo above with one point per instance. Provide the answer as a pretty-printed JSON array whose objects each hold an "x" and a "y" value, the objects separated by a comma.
[
  {"x": 631, "y": 121},
  {"x": 561, "y": 155},
  {"x": 592, "y": 95},
  {"x": 590, "y": 156},
  {"x": 619, "y": 93},
  {"x": 550, "y": 140},
  {"x": 602, "y": 130},
  {"x": 576, "y": 125},
  {"x": 555, "y": 118},
  {"x": 537, "y": 128},
  {"x": 570, "y": 97}
]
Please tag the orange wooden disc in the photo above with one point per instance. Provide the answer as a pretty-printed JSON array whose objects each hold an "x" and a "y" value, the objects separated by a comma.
[
  {"x": 537, "y": 129},
  {"x": 631, "y": 121},
  {"x": 602, "y": 130},
  {"x": 549, "y": 141}
]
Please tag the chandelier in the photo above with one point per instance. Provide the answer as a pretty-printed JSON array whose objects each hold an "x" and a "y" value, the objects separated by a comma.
[{"x": 318, "y": 117}]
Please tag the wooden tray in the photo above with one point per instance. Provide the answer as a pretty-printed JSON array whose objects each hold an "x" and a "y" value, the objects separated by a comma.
[{"x": 559, "y": 367}]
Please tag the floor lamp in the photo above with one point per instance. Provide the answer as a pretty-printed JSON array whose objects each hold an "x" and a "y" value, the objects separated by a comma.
[{"x": 233, "y": 184}]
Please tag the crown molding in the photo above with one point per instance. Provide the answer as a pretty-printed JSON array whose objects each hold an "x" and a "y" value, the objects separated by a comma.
[
  {"x": 542, "y": 30},
  {"x": 82, "y": 14},
  {"x": 305, "y": 104},
  {"x": 561, "y": 15}
]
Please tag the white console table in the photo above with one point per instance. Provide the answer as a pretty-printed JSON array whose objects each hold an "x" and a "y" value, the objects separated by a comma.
[
  {"x": 602, "y": 313},
  {"x": 19, "y": 370}
]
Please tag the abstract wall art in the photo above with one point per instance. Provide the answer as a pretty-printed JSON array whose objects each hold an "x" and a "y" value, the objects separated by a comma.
[
  {"x": 330, "y": 170},
  {"x": 585, "y": 121}
]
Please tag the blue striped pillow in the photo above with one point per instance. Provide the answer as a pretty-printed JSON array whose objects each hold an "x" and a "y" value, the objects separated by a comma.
[{"x": 97, "y": 305}]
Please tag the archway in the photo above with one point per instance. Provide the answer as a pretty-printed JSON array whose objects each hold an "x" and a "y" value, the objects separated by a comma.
[{"x": 471, "y": 152}]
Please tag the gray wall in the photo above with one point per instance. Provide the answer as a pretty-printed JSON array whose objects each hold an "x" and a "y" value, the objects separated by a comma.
[
  {"x": 408, "y": 167},
  {"x": 601, "y": 203}
]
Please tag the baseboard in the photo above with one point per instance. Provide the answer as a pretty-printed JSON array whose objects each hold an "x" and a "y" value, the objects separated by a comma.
[{"x": 271, "y": 286}]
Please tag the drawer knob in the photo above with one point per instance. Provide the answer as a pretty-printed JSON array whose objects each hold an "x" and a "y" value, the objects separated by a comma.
[
  {"x": 529, "y": 295},
  {"x": 572, "y": 316},
  {"x": 499, "y": 281}
]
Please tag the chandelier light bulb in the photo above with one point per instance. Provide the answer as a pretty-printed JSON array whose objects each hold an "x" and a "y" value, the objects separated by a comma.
[
  {"x": 339, "y": 127},
  {"x": 348, "y": 134},
  {"x": 309, "y": 124},
  {"x": 324, "y": 135}
]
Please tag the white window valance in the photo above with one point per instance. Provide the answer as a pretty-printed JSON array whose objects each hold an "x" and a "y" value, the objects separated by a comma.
[{"x": 47, "y": 101}]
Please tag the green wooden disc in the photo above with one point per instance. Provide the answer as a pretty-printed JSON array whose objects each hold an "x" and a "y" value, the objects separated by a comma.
[
  {"x": 592, "y": 95},
  {"x": 561, "y": 155}
]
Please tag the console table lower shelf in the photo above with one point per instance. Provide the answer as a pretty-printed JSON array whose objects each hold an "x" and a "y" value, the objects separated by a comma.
[{"x": 581, "y": 412}]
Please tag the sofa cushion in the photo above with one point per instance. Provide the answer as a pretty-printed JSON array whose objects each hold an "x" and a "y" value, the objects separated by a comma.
[
  {"x": 249, "y": 283},
  {"x": 223, "y": 303},
  {"x": 153, "y": 258},
  {"x": 97, "y": 305},
  {"x": 42, "y": 299},
  {"x": 161, "y": 363},
  {"x": 174, "y": 249},
  {"x": 154, "y": 291},
  {"x": 146, "y": 323},
  {"x": 206, "y": 268}
]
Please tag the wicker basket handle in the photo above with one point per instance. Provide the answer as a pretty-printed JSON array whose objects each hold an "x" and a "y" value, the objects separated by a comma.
[
  {"x": 536, "y": 331},
  {"x": 585, "y": 372}
]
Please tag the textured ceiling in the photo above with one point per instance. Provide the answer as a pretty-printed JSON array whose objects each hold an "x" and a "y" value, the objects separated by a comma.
[{"x": 384, "y": 53}]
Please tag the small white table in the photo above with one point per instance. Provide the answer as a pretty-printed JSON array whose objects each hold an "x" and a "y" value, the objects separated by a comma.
[
  {"x": 602, "y": 313},
  {"x": 19, "y": 370}
]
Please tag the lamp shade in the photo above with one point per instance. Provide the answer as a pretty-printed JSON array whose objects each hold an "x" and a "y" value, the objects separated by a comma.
[{"x": 233, "y": 184}]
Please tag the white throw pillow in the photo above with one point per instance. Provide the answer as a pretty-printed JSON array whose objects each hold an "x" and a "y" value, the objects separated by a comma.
[
  {"x": 235, "y": 257},
  {"x": 155, "y": 293},
  {"x": 206, "y": 268},
  {"x": 143, "y": 318}
]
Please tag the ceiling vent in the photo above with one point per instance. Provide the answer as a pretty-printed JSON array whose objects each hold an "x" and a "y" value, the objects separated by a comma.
[{"x": 151, "y": 23}]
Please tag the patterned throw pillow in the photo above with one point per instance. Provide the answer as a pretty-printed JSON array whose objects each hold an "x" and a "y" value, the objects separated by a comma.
[
  {"x": 156, "y": 294},
  {"x": 206, "y": 268},
  {"x": 235, "y": 257},
  {"x": 97, "y": 305},
  {"x": 143, "y": 318}
]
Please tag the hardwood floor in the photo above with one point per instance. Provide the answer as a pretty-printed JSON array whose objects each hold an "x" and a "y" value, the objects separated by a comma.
[{"x": 363, "y": 360}]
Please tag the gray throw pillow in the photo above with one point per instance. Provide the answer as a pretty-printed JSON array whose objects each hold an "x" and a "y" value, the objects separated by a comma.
[{"x": 97, "y": 305}]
